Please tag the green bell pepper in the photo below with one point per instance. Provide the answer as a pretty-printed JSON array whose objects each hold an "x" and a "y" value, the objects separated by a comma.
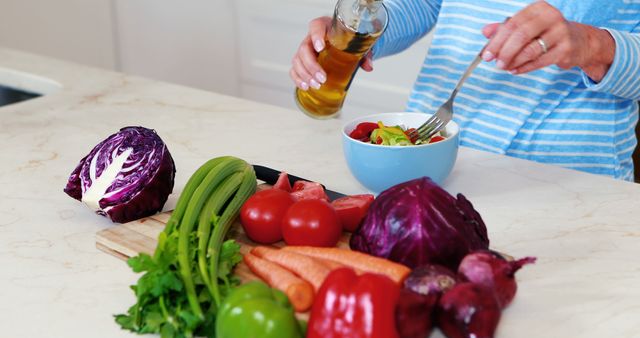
[{"x": 254, "y": 310}]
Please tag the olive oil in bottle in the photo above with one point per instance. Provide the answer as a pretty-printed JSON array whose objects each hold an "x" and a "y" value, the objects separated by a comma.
[{"x": 356, "y": 26}]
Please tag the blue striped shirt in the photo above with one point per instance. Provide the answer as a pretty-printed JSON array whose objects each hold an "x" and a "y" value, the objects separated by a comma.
[{"x": 550, "y": 115}]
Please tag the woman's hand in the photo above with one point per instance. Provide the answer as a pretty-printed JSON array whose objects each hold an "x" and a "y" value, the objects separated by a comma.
[
  {"x": 305, "y": 70},
  {"x": 539, "y": 36}
]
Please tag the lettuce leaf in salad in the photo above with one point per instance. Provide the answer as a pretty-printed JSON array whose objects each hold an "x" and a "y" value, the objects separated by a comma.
[{"x": 390, "y": 136}]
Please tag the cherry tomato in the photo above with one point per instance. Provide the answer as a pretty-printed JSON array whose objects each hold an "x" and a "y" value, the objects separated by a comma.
[
  {"x": 311, "y": 222},
  {"x": 304, "y": 190},
  {"x": 352, "y": 209},
  {"x": 261, "y": 215},
  {"x": 436, "y": 138}
]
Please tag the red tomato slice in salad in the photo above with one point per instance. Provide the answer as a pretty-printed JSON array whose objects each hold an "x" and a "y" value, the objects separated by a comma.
[
  {"x": 304, "y": 190},
  {"x": 436, "y": 138},
  {"x": 352, "y": 209},
  {"x": 408, "y": 132},
  {"x": 363, "y": 131},
  {"x": 283, "y": 182}
]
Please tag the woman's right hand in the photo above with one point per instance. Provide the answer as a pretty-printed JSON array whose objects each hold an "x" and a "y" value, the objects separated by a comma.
[{"x": 305, "y": 70}]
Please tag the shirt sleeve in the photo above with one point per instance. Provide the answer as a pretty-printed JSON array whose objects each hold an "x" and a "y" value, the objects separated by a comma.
[
  {"x": 623, "y": 77},
  {"x": 409, "y": 20}
]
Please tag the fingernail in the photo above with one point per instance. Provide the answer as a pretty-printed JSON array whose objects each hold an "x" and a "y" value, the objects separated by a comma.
[
  {"x": 500, "y": 64},
  {"x": 304, "y": 86},
  {"x": 314, "y": 84},
  {"x": 487, "y": 56},
  {"x": 513, "y": 72},
  {"x": 318, "y": 46},
  {"x": 321, "y": 78}
]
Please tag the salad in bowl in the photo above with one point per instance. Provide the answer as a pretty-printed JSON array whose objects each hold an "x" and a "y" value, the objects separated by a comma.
[{"x": 390, "y": 135}]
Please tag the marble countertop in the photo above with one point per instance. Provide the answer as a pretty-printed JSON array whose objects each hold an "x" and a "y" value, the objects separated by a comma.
[{"x": 584, "y": 229}]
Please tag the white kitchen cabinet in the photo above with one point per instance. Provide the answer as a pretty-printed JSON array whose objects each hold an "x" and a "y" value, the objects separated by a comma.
[
  {"x": 269, "y": 33},
  {"x": 187, "y": 42}
]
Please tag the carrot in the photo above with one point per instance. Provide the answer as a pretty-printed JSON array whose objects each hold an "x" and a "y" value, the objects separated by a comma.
[
  {"x": 300, "y": 292},
  {"x": 332, "y": 265},
  {"x": 358, "y": 260},
  {"x": 308, "y": 268}
]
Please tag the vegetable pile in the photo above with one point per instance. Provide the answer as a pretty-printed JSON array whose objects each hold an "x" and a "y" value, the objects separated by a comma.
[
  {"x": 419, "y": 260},
  {"x": 125, "y": 177},
  {"x": 186, "y": 279},
  {"x": 378, "y": 133}
]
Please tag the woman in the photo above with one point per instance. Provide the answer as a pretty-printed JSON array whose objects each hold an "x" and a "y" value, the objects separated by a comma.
[{"x": 563, "y": 88}]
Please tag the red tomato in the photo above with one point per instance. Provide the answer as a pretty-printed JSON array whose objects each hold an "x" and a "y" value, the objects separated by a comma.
[
  {"x": 436, "y": 138},
  {"x": 408, "y": 132},
  {"x": 363, "y": 130},
  {"x": 352, "y": 209},
  {"x": 283, "y": 182},
  {"x": 261, "y": 215},
  {"x": 303, "y": 190},
  {"x": 311, "y": 222}
]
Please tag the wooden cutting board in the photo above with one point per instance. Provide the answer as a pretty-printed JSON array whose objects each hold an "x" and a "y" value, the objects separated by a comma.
[{"x": 128, "y": 239}]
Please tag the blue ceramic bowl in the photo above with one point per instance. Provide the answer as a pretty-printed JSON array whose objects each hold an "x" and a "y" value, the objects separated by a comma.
[{"x": 381, "y": 167}]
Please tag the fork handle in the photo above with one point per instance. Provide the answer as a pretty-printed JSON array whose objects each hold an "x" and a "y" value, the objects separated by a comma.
[
  {"x": 471, "y": 67},
  {"x": 467, "y": 73}
]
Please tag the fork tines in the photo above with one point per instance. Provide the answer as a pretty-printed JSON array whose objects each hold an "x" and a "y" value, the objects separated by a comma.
[{"x": 427, "y": 129}]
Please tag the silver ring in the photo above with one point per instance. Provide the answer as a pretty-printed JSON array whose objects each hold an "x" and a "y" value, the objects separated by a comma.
[{"x": 543, "y": 45}]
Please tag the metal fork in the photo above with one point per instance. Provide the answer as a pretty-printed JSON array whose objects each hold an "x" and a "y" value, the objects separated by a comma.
[{"x": 444, "y": 114}]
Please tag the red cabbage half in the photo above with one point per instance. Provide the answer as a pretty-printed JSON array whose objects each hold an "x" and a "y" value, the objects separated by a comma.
[
  {"x": 417, "y": 223},
  {"x": 125, "y": 177}
]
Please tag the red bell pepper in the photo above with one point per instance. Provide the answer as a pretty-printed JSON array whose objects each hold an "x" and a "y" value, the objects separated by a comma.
[{"x": 352, "y": 306}]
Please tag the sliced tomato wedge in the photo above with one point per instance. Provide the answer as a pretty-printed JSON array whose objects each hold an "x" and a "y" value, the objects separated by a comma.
[
  {"x": 436, "y": 138},
  {"x": 352, "y": 209},
  {"x": 283, "y": 182},
  {"x": 363, "y": 130},
  {"x": 304, "y": 190},
  {"x": 414, "y": 138}
]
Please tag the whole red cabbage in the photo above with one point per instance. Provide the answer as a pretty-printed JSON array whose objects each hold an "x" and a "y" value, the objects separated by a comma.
[
  {"x": 417, "y": 223},
  {"x": 138, "y": 175}
]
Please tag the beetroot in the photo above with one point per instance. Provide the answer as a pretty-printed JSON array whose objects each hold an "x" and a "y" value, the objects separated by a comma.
[
  {"x": 430, "y": 279},
  {"x": 494, "y": 272},
  {"x": 414, "y": 314},
  {"x": 468, "y": 311}
]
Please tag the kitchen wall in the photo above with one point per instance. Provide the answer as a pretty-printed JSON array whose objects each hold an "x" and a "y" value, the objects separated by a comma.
[
  {"x": 236, "y": 47},
  {"x": 76, "y": 30}
]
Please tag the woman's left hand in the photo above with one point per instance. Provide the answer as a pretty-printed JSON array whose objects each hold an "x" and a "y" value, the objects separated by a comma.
[{"x": 539, "y": 36}]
